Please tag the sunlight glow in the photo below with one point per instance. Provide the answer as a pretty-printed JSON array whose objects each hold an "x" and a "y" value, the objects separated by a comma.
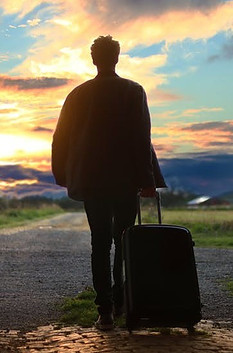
[{"x": 13, "y": 145}]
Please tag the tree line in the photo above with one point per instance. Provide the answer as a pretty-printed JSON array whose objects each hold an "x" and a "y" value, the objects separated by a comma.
[{"x": 169, "y": 198}]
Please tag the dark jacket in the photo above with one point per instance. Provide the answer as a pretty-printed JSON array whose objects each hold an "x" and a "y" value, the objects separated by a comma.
[{"x": 102, "y": 139}]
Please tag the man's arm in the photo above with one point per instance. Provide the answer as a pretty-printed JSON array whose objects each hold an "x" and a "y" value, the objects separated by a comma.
[
  {"x": 60, "y": 144},
  {"x": 142, "y": 141}
]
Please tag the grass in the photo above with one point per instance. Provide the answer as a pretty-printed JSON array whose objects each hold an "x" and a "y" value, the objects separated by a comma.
[
  {"x": 19, "y": 216},
  {"x": 209, "y": 228},
  {"x": 227, "y": 284},
  {"x": 80, "y": 310}
]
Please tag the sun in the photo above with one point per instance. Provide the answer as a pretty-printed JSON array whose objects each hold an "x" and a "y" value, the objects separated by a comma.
[{"x": 13, "y": 146}]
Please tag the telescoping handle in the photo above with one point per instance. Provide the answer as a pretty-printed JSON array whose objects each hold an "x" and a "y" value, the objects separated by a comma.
[{"x": 158, "y": 200}]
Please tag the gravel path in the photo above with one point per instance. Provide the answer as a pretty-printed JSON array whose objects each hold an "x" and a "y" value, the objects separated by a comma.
[{"x": 44, "y": 262}]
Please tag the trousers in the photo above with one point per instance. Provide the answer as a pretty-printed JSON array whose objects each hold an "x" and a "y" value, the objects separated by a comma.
[{"x": 107, "y": 218}]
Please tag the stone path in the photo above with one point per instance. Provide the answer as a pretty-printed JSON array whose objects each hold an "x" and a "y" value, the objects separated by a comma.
[{"x": 51, "y": 339}]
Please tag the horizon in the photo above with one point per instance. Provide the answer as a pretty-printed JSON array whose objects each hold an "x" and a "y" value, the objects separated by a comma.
[{"x": 181, "y": 53}]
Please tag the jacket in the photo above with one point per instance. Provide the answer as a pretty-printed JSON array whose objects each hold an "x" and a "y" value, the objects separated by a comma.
[{"x": 102, "y": 140}]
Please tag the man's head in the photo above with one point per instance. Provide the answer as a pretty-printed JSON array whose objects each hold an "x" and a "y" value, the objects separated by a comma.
[{"x": 105, "y": 52}]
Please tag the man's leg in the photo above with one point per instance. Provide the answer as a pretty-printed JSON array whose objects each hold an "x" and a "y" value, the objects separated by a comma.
[
  {"x": 99, "y": 214},
  {"x": 125, "y": 210}
]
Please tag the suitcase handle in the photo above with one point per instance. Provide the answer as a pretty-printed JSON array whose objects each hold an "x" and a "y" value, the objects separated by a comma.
[{"x": 158, "y": 199}]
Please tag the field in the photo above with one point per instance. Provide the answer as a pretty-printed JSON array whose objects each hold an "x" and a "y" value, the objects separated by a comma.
[
  {"x": 18, "y": 216},
  {"x": 209, "y": 227}
]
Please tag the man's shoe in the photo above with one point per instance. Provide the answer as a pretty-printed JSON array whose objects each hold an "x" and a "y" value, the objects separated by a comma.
[{"x": 105, "y": 322}]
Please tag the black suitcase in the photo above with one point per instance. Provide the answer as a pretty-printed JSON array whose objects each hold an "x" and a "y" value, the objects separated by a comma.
[{"x": 161, "y": 285}]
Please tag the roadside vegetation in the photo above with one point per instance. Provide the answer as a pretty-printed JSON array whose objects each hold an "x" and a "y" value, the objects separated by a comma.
[
  {"x": 16, "y": 217},
  {"x": 210, "y": 227},
  {"x": 15, "y": 212},
  {"x": 81, "y": 310},
  {"x": 227, "y": 284}
]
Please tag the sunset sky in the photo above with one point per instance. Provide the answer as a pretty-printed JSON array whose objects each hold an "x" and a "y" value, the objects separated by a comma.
[{"x": 180, "y": 51}]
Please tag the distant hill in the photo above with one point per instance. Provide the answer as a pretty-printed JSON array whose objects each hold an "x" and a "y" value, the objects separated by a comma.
[
  {"x": 200, "y": 174},
  {"x": 228, "y": 196}
]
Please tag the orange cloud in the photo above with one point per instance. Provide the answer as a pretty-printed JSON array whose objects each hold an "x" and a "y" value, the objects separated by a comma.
[
  {"x": 61, "y": 52},
  {"x": 12, "y": 183},
  {"x": 176, "y": 138},
  {"x": 191, "y": 112},
  {"x": 76, "y": 27}
]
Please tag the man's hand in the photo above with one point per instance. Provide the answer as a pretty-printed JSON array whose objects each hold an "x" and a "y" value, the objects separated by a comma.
[{"x": 148, "y": 192}]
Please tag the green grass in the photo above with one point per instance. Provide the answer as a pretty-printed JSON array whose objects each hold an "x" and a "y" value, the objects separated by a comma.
[
  {"x": 19, "y": 216},
  {"x": 209, "y": 228},
  {"x": 80, "y": 310},
  {"x": 228, "y": 285}
]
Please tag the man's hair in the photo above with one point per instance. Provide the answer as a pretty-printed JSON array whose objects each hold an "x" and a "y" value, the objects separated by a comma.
[{"x": 105, "y": 51}]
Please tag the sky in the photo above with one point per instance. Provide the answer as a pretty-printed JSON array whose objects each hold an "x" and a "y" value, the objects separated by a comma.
[{"x": 180, "y": 51}]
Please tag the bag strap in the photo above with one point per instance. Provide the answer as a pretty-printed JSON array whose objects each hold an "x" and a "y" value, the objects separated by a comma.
[{"x": 158, "y": 200}]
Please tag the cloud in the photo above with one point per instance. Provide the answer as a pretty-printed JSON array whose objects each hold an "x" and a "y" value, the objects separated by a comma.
[
  {"x": 22, "y": 7},
  {"x": 226, "y": 52},
  {"x": 159, "y": 96},
  {"x": 123, "y": 10},
  {"x": 191, "y": 112},
  {"x": 34, "y": 22},
  {"x": 61, "y": 42},
  {"x": 176, "y": 138},
  {"x": 18, "y": 172},
  {"x": 41, "y": 129},
  {"x": 7, "y": 111},
  {"x": 211, "y": 125},
  {"x": 4, "y": 57},
  {"x": 17, "y": 181},
  {"x": 202, "y": 174},
  {"x": 141, "y": 22},
  {"x": 33, "y": 83}
]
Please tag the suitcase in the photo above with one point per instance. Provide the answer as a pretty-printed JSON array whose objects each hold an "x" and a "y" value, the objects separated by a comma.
[{"x": 161, "y": 284}]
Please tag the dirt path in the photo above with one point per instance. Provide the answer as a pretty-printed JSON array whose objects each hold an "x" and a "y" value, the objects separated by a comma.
[{"x": 45, "y": 261}]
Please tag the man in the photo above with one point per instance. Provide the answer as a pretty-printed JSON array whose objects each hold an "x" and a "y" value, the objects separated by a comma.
[{"x": 102, "y": 153}]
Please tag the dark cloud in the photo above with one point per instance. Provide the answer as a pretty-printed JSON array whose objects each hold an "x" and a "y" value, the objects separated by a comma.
[
  {"x": 197, "y": 173},
  {"x": 225, "y": 144},
  {"x": 39, "y": 189},
  {"x": 32, "y": 83},
  {"x": 213, "y": 58},
  {"x": 218, "y": 125},
  {"x": 17, "y": 172},
  {"x": 45, "y": 185},
  {"x": 201, "y": 174},
  {"x": 121, "y": 10},
  {"x": 41, "y": 129},
  {"x": 226, "y": 52}
]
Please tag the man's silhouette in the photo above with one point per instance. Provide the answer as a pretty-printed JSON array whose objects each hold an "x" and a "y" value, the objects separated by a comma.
[{"x": 102, "y": 153}]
